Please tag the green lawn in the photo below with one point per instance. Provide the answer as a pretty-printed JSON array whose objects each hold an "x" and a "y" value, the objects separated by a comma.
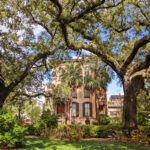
[{"x": 46, "y": 144}]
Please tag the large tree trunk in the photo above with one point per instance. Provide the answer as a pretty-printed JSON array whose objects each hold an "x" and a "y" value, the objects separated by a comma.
[
  {"x": 131, "y": 90},
  {"x": 4, "y": 92}
]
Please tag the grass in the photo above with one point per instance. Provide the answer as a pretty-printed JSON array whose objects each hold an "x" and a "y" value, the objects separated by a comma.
[{"x": 46, "y": 144}]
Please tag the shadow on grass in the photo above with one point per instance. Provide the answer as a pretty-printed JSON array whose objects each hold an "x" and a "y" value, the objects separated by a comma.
[{"x": 46, "y": 144}]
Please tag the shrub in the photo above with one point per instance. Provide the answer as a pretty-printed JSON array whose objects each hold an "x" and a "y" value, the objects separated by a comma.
[
  {"x": 138, "y": 137},
  {"x": 104, "y": 119},
  {"x": 75, "y": 132},
  {"x": 145, "y": 129},
  {"x": 11, "y": 134},
  {"x": 61, "y": 132},
  {"x": 141, "y": 118},
  {"x": 116, "y": 120},
  {"x": 35, "y": 129},
  {"x": 95, "y": 122},
  {"x": 50, "y": 120},
  {"x": 100, "y": 131}
]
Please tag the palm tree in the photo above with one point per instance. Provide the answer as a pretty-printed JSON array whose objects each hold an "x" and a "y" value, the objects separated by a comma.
[
  {"x": 98, "y": 79},
  {"x": 72, "y": 75}
]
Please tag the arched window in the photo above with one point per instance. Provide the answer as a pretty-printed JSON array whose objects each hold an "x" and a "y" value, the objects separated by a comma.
[
  {"x": 87, "y": 109},
  {"x": 75, "y": 109}
]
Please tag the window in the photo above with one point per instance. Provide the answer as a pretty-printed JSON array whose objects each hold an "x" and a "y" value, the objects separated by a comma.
[
  {"x": 86, "y": 93},
  {"x": 60, "y": 108},
  {"x": 87, "y": 109},
  {"x": 74, "y": 94},
  {"x": 86, "y": 70},
  {"x": 75, "y": 109}
]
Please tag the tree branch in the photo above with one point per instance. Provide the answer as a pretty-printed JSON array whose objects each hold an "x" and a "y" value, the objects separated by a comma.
[
  {"x": 29, "y": 66},
  {"x": 41, "y": 24},
  {"x": 81, "y": 32},
  {"x": 36, "y": 95},
  {"x": 141, "y": 11},
  {"x": 92, "y": 48},
  {"x": 90, "y": 8},
  {"x": 138, "y": 44},
  {"x": 56, "y": 2},
  {"x": 86, "y": 11},
  {"x": 140, "y": 66}
]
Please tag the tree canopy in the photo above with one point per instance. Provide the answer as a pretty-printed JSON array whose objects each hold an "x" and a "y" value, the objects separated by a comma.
[{"x": 117, "y": 31}]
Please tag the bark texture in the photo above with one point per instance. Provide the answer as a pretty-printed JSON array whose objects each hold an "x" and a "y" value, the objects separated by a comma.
[
  {"x": 4, "y": 92},
  {"x": 131, "y": 90}
]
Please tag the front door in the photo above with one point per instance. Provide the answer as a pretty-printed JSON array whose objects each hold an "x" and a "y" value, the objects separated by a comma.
[{"x": 60, "y": 108}]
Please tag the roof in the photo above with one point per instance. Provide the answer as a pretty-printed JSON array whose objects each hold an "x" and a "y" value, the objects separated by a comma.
[
  {"x": 114, "y": 97},
  {"x": 115, "y": 105}
]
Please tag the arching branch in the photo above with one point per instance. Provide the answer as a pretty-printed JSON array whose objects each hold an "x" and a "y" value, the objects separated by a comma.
[
  {"x": 137, "y": 45},
  {"x": 29, "y": 66},
  {"x": 140, "y": 66},
  {"x": 92, "y": 48}
]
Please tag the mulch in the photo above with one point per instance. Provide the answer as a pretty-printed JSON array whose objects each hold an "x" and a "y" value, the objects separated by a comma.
[
  {"x": 84, "y": 139},
  {"x": 32, "y": 137},
  {"x": 98, "y": 139}
]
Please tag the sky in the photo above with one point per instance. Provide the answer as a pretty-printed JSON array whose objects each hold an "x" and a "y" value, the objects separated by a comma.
[{"x": 114, "y": 88}]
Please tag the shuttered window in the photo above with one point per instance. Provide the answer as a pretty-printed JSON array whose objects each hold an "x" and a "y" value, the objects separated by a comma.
[
  {"x": 87, "y": 109},
  {"x": 75, "y": 109}
]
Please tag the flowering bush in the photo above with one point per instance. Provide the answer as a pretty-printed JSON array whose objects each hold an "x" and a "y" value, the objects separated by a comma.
[
  {"x": 11, "y": 134},
  {"x": 23, "y": 124}
]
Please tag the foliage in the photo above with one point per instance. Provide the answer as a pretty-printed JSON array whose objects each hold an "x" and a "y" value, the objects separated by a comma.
[
  {"x": 116, "y": 120},
  {"x": 24, "y": 58},
  {"x": 97, "y": 131},
  {"x": 62, "y": 91},
  {"x": 143, "y": 106},
  {"x": 75, "y": 133},
  {"x": 25, "y": 106},
  {"x": 85, "y": 131},
  {"x": 138, "y": 137},
  {"x": 141, "y": 118},
  {"x": 36, "y": 128},
  {"x": 72, "y": 74},
  {"x": 145, "y": 129},
  {"x": 50, "y": 120},
  {"x": 43, "y": 127},
  {"x": 100, "y": 79},
  {"x": 95, "y": 122},
  {"x": 11, "y": 134},
  {"x": 71, "y": 132},
  {"x": 104, "y": 119},
  {"x": 143, "y": 101}
]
